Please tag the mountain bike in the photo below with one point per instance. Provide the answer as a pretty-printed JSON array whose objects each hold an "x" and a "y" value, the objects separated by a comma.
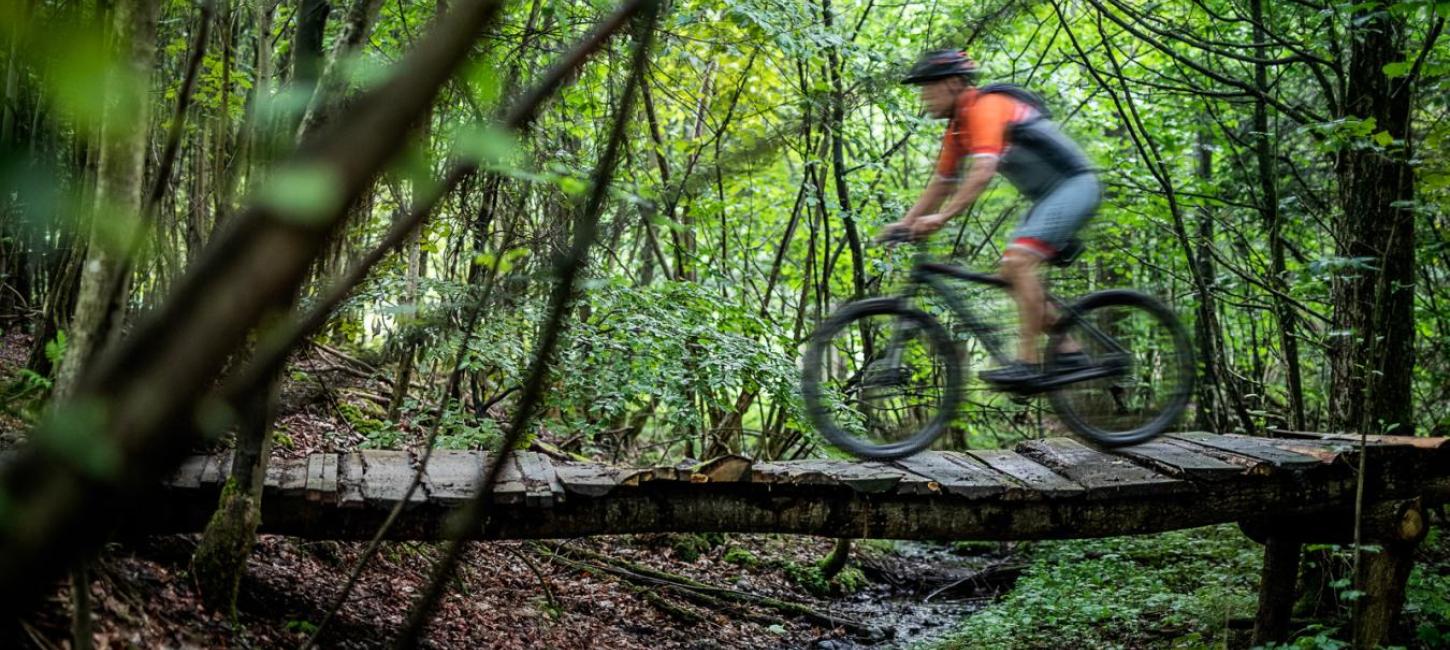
[{"x": 883, "y": 378}]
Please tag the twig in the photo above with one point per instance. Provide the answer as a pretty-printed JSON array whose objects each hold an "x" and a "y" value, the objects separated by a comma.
[
  {"x": 543, "y": 582},
  {"x": 471, "y": 517}
]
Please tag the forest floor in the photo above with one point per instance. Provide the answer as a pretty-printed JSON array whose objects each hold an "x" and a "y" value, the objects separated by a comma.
[
  {"x": 142, "y": 596},
  {"x": 1185, "y": 589},
  {"x": 556, "y": 594}
]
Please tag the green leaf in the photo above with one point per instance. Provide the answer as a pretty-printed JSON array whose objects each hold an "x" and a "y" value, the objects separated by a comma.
[
  {"x": 303, "y": 194},
  {"x": 485, "y": 145},
  {"x": 55, "y": 349},
  {"x": 1384, "y": 139},
  {"x": 1397, "y": 69},
  {"x": 77, "y": 432}
]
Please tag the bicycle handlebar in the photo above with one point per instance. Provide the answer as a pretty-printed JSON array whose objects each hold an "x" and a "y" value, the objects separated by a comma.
[{"x": 898, "y": 236}]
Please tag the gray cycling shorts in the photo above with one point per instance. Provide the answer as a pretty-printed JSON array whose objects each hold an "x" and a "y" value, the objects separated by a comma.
[{"x": 1057, "y": 216}]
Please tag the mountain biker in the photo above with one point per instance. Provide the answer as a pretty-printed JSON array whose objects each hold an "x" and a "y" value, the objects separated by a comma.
[{"x": 1004, "y": 128}]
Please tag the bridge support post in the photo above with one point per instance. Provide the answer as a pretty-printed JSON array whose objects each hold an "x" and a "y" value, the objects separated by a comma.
[
  {"x": 1395, "y": 526},
  {"x": 1382, "y": 577},
  {"x": 1276, "y": 589}
]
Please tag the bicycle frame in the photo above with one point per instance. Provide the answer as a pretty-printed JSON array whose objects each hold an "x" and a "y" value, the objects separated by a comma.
[{"x": 936, "y": 274}]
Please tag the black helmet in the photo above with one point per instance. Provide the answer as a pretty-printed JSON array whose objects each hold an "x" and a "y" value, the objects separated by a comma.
[{"x": 941, "y": 64}]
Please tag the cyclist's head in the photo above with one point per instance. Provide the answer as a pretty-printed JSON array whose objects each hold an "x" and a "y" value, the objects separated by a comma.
[{"x": 942, "y": 74}]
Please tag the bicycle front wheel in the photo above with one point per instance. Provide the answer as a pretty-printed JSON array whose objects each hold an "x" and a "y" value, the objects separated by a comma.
[
  {"x": 881, "y": 380},
  {"x": 1138, "y": 368}
]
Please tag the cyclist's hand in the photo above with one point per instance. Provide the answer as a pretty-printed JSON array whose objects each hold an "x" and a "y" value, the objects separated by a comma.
[
  {"x": 925, "y": 225},
  {"x": 897, "y": 232}
]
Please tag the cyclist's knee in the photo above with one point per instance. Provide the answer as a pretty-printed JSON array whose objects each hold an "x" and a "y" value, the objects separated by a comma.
[{"x": 1017, "y": 265}]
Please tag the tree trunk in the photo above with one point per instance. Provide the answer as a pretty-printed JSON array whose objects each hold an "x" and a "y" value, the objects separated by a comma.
[
  {"x": 118, "y": 192},
  {"x": 220, "y": 560},
  {"x": 1371, "y": 362},
  {"x": 838, "y": 159}
]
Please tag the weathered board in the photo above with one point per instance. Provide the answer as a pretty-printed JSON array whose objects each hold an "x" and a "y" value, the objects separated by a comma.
[
  {"x": 321, "y": 477},
  {"x": 288, "y": 476},
  {"x": 1181, "y": 462},
  {"x": 1421, "y": 442},
  {"x": 510, "y": 487},
  {"x": 1257, "y": 456},
  {"x": 1103, "y": 475},
  {"x": 868, "y": 478},
  {"x": 538, "y": 478},
  {"x": 386, "y": 477},
  {"x": 1037, "y": 481},
  {"x": 955, "y": 474},
  {"x": 452, "y": 477},
  {"x": 588, "y": 480},
  {"x": 351, "y": 468}
]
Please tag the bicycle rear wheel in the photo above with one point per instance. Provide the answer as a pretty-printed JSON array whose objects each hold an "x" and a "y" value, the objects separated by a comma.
[
  {"x": 1139, "y": 368},
  {"x": 881, "y": 380}
]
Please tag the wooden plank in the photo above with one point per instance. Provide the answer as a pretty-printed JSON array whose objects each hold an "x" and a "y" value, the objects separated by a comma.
[
  {"x": 1181, "y": 462},
  {"x": 955, "y": 474},
  {"x": 1432, "y": 442},
  {"x": 452, "y": 476},
  {"x": 1037, "y": 481},
  {"x": 386, "y": 478},
  {"x": 681, "y": 471},
  {"x": 907, "y": 482},
  {"x": 868, "y": 478},
  {"x": 556, "y": 486},
  {"x": 351, "y": 468},
  {"x": 725, "y": 469},
  {"x": 537, "y": 477},
  {"x": 189, "y": 474},
  {"x": 510, "y": 487},
  {"x": 1327, "y": 451},
  {"x": 588, "y": 480},
  {"x": 216, "y": 470},
  {"x": 322, "y": 477},
  {"x": 1421, "y": 442},
  {"x": 286, "y": 476},
  {"x": 1102, "y": 474},
  {"x": 1267, "y": 458}
]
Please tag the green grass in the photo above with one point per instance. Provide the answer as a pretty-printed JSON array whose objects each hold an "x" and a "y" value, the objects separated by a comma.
[{"x": 1174, "y": 590}]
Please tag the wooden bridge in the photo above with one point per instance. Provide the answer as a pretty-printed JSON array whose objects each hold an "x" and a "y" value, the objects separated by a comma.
[{"x": 1284, "y": 491}]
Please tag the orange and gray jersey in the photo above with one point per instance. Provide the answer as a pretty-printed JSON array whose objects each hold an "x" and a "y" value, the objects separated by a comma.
[{"x": 1034, "y": 154}]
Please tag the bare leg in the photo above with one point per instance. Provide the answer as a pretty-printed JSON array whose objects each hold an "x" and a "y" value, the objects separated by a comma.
[{"x": 1019, "y": 268}]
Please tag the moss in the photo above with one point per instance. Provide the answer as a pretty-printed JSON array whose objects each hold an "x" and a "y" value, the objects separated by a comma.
[
  {"x": 809, "y": 577},
  {"x": 741, "y": 557},
  {"x": 975, "y": 548},
  {"x": 221, "y": 557},
  {"x": 688, "y": 547}
]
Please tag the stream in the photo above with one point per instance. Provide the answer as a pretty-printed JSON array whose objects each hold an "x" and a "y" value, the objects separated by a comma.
[{"x": 917, "y": 594}]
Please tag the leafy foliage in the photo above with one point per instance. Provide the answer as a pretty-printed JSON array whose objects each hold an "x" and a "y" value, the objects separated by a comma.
[{"x": 1179, "y": 588}]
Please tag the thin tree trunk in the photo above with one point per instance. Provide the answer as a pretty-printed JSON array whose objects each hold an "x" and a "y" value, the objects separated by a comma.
[
  {"x": 1269, "y": 208},
  {"x": 118, "y": 192}
]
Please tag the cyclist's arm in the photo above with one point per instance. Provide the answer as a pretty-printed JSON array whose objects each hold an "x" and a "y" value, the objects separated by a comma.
[
  {"x": 983, "y": 168},
  {"x": 936, "y": 191}
]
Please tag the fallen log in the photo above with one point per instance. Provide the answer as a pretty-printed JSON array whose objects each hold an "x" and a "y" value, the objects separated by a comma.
[{"x": 783, "y": 606}]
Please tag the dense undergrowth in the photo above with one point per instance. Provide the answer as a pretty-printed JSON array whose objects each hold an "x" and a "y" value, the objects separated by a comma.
[{"x": 1184, "y": 590}]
